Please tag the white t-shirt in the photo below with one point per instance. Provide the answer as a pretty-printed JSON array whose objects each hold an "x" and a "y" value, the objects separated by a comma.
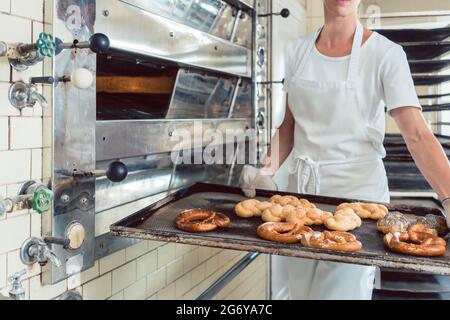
[{"x": 383, "y": 69}]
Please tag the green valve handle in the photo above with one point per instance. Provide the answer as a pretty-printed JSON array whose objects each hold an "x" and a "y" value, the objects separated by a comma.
[
  {"x": 46, "y": 45},
  {"x": 42, "y": 200}
]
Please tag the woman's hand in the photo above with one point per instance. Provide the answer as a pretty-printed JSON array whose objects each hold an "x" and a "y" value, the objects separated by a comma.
[{"x": 252, "y": 178}]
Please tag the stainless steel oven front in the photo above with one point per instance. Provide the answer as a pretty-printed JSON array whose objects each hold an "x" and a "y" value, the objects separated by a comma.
[{"x": 160, "y": 67}]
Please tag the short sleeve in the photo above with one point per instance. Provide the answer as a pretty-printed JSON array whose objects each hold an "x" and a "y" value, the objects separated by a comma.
[
  {"x": 287, "y": 69},
  {"x": 397, "y": 81}
]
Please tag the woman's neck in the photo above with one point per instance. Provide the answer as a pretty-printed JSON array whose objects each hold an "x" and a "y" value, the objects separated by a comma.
[{"x": 338, "y": 31}]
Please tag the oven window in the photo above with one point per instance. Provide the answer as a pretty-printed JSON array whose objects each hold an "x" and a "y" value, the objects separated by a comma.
[{"x": 129, "y": 89}]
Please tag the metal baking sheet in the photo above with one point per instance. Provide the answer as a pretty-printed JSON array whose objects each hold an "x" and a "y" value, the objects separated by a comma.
[
  {"x": 425, "y": 80},
  {"x": 428, "y": 66},
  {"x": 402, "y": 35},
  {"x": 426, "y": 50},
  {"x": 156, "y": 222}
]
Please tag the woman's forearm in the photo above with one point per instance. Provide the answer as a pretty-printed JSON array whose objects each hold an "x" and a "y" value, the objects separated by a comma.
[
  {"x": 425, "y": 149},
  {"x": 281, "y": 144},
  {"x": 432, "y": 162}
]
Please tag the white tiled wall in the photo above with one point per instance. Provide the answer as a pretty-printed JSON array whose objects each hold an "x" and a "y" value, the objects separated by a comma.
[{"x": 147, "y": 270}]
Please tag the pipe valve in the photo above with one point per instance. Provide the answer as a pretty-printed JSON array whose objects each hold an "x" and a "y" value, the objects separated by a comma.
[
  {"x": 32, "y": 195},
  {"x": 21, "y": 56}
]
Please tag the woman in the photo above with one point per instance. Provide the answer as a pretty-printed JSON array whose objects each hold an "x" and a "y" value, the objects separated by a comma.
[{"x": 338, "y": 82}]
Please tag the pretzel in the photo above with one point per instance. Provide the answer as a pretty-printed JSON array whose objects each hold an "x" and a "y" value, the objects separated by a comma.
[
  {"x": 434, "y": 222},
  {"x": 277, "y": 213},
  {"x": 283, "y": 232},
  {"x": 343, "y": 220},
  {"x": 393, "y": 222},
  {"x": 251, "y": 208},
  {"x": 198, "y": 220},
  {"x": 308, "y": 217},
  {"x": 291, "y": 200},
  {"x": 415, "y": 243},
  {"x": 331, "y": 240},
  {"x": 372, "y": 211}
]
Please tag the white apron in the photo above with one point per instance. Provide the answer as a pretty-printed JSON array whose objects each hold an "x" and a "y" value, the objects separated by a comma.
[{"x": 332, "y": 129}]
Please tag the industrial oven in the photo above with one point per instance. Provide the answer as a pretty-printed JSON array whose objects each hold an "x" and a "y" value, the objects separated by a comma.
[{"x": 159, "y": 67}]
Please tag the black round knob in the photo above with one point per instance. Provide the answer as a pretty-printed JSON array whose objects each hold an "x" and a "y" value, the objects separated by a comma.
[
  {"x": 285, "y": 13},
  {"x": 117, "y": 171},
  {"x": 99, "y": 43}
]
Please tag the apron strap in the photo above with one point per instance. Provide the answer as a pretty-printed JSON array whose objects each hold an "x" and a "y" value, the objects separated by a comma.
[
  {"x": 354, "y": 58},
  {"x": 307, "y": 171}
]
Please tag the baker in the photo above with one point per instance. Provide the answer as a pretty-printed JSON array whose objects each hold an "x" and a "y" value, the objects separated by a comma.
[{"x": 338, "y": 82}]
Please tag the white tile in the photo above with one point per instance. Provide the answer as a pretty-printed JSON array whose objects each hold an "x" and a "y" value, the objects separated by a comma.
[
  {"x": 191, "y": 260},
  {"x": 15, "y": 166},
  {"x": 198, "y": 274},
  {"x": 98, "y": 289},
  {"x": 20, "y": 32},
  {"x": 13, "y": 232},
  {"x": 154, "y": 244},
  {"x": 112, "y": 261},
  {"x": 4, "y": 133},
  {"x": 123, "y": 276},
  {"x": 3, "y": 270},
  {"x": 146, "y": 264},
  {"x": 117, "y": 296},
  {"x": 45, "y": 292},
  {"x": 31, "y": 9},
  {"x": 15, "y": 265},
  {"x": 182, "y": 285},
  {"x": 26, "y": 132},
  {"x": 204, "y": 253},
  {"x": 137, "y": 291},
  {"x": 83, "y": 277},
  {"x": 166, "y": 254},
  {"x": 156, "y": 281},
  {"x": 5, "y": 5},
  {"x": 182, "y": 249},
  {"x": 6, "y": 109},
  {"x": 36, "y": 224},
  {"x": 36, "y": 164},
  {"x": 136, "y": 250},
  {"x": 168, "y": 293},
  {"x": 212, "y": 265},
  {"x": 174, "y": 270}
]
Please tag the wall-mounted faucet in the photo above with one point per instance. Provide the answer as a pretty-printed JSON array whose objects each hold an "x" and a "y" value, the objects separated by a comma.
[
  {"x": 25, "y": 95},
  {"x": 21, "y": 56},
  {"x": 17, "y": 291},
  {"x": 37, "y": 250}
]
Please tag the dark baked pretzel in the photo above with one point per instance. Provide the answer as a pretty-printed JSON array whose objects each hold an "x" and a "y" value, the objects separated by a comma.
[
  {"x": 198, "y": 220},
  {"x": 415, "y": 243},
  {"x": 283, "y": 232}
]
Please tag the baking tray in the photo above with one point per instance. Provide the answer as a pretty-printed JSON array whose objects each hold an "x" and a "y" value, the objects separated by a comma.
[
  {"x": 402, "y": 35},
  {"x": 156, "y": 222},
  {"x": 428, "y": 66},
  {"x": 425, "y": 50}
]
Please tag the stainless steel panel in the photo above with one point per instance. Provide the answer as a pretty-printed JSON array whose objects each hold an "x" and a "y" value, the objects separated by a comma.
[
  {"x": 134, "y": 30},
  {"x": 73, "y": 135},
  {"x": 244, "y": 30},
  {"x": 128, "y": 138},
  {"x": 211, "y": 16}
]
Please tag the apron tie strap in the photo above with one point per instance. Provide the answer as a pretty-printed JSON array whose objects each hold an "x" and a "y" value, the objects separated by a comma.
[{"x": 307, "y": 171}]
